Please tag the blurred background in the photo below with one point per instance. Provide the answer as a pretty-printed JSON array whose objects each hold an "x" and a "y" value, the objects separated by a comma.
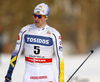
[{"x": 78, "y": 22}]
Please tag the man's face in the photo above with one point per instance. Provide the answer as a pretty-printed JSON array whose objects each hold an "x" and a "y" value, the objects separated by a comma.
[{"x": 40, "y": 22}]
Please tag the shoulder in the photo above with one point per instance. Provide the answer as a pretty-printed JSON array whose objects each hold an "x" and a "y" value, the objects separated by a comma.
[
  {"x": 54, "y": 31},
  {"x": 25, "y": 28}
]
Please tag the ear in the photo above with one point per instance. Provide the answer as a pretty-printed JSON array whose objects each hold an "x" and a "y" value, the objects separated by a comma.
[{"x": 46, "y": 18}]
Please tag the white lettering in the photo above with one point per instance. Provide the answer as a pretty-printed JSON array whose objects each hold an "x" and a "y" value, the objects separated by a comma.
[
  {"x": 43, "y": 41},
  {"x": 34, "y": 40},
  {"x": 28, "y": 39},
  {"x": 31, "y": 39},
  {"x": 47, "y": 41},
  {"x": 37, "y": 40},
  {"x": 40, "y": 41}
]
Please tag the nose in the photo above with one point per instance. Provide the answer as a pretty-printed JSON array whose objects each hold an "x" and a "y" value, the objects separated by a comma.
[{"x": 36, "y": 18}]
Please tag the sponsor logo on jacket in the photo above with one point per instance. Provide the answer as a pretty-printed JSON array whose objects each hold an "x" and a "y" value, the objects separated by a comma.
[
  {"x": 18, "y": 37},
  {"x": 60, "y": 48},
  {"x": 40, "y": 40}
]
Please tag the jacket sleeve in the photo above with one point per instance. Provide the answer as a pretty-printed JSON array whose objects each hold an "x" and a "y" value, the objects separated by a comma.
[
  {"x": 59, "y": 55},
  {"x": 16, "y": 53}
]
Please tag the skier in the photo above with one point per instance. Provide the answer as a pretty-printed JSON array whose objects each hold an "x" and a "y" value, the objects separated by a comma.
[{"x": 40, "y": 41}]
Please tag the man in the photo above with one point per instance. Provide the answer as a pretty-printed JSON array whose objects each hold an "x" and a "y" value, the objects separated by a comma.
[{"x": 40, "y": 42}]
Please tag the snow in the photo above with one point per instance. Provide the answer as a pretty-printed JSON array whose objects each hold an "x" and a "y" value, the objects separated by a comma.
[{"x": 89, "y": 72}]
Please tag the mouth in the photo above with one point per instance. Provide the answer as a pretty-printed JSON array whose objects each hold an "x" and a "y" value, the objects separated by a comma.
[{"x": 36, "y": 22}]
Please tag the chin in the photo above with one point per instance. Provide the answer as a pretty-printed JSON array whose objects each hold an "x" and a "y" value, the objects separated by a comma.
[{"x": 37, "y": 25}]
